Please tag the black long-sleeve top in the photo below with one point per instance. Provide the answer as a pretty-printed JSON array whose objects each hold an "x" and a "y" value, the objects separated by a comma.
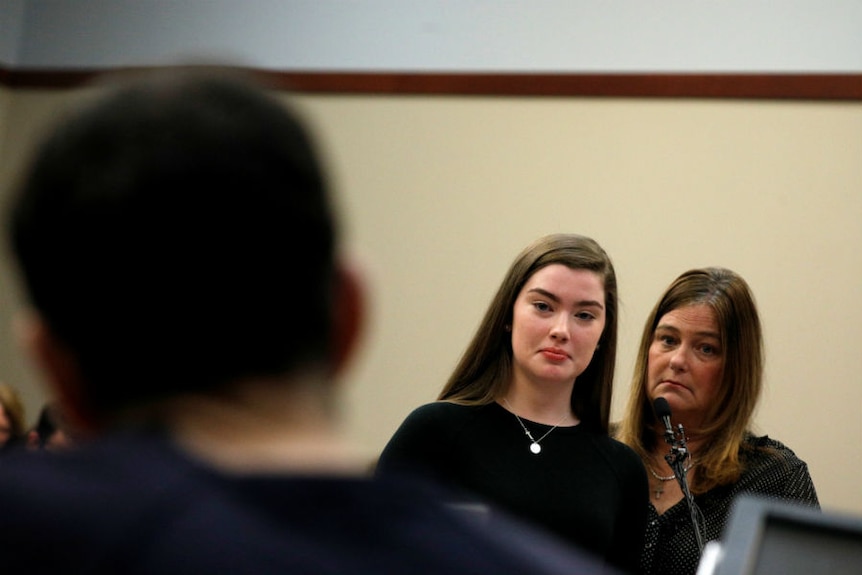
[{"x": 584, "y": 486}]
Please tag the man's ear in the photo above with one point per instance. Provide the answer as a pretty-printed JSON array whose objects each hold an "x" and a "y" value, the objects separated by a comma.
[
  {"x": 59, "y": 366},
  {"x": 348, "y": 314}
]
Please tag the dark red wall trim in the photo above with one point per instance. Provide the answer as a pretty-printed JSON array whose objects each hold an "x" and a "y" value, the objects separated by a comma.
[
  {"x": 735, "y": 86},
  {"x": 767, "y": 86}
]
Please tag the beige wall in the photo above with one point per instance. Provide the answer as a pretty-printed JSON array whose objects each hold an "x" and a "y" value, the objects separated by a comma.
[
  {"x": 22, "y": 116},
  {"x": 440, "y": 193}
]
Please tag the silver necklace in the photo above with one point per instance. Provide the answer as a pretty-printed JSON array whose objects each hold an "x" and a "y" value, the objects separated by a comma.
[
  {"x": 659, "y": 490},
  {"x": 535, "y": 448}
]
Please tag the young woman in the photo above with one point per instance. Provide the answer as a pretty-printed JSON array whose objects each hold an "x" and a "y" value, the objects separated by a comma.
[{"x": 522, "y": 423}]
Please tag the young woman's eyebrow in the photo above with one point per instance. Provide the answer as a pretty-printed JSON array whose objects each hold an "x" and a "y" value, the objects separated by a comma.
[{"x": 553, "y": 297}]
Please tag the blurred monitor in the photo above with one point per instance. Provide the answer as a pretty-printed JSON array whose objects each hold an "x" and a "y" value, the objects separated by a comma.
[{"x": 766, "y": 536}]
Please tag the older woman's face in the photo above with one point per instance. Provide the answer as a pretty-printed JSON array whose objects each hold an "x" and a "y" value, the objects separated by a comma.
[{"x": 686, "y": 361}]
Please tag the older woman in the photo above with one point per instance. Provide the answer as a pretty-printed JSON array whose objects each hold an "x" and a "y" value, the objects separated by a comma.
[
  {"x": 702, "y": 351},
  {"x": 522, "y": 422}
]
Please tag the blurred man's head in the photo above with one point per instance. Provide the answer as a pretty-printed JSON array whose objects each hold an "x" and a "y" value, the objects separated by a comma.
[{"x": 175, "y": 235}]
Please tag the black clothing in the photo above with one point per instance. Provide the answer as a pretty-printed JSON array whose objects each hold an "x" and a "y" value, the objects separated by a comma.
[
  {"x": 585, "y": 487},
  {"x": 136, "y": 504},
  {"x": 771, "y": 469}
]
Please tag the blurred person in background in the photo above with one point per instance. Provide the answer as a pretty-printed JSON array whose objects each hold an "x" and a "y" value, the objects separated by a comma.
[
  {"x": 53, "y": 430},
  {"x": 13, "y": 426}
]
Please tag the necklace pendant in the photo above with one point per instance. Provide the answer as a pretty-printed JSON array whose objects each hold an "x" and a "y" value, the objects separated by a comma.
[
  {"x": 658, "y": 492},
  {"x": 535, "y": 448}
]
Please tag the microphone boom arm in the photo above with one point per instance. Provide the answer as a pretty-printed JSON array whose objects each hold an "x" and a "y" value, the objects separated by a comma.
[{"x": 676, "y": 459}]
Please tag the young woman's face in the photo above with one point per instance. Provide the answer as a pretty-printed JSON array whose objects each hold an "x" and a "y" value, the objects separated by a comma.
[
  {"x": 686, "y": 361},
  {"x": 557, "y": 321}
]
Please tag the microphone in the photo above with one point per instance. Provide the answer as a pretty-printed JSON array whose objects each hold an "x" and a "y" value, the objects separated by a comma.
[
  {"x": 662, "y": 411},
  {"x": 678, "y": 454}
]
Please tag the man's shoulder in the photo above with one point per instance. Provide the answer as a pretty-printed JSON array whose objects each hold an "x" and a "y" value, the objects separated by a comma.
[
  {"x": 64, "y": 508},
  {"x": 117, "y": 477},
  {"x": 468, "y": 539},
  {"x": 141, "y": 502}
]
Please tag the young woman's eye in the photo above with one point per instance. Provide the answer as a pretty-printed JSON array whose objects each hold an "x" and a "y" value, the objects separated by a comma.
[
  {"x": 541, "y": 306},
  {"x": 585, "y": 315}
]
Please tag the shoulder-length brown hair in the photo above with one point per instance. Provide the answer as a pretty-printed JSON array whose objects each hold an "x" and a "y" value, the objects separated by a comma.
[
  {"x": 485, "y": 370},
  {"x": 728, "y": 420}
]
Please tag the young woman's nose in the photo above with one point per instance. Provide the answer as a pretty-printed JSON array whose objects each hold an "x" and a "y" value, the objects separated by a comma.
[{"x": 560, "y": 328}]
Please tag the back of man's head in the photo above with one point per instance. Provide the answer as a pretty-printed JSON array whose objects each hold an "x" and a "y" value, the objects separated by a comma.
[{"x": 175, "y": 234}]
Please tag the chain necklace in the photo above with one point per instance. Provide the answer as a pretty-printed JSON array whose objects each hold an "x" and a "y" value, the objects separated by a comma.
[
  {"x": 535, "y": 448},
  {"x": 660, "y": 489}
]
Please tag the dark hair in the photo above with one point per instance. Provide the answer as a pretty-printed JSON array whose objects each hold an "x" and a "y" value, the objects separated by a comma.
[
  {"x": 485, "y": 370},
  {"x": 176, "y": 234}
]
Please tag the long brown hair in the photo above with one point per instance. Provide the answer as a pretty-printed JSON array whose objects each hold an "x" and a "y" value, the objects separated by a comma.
[
  {"x": 728, "y": 420},
  {"x": 485, "y": 369}
]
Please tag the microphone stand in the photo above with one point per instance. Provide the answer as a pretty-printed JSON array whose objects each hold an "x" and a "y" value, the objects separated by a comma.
[{"x": 676, "y": 459}]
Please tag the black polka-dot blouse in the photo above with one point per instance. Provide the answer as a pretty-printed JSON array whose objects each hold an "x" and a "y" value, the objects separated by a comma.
[{"x": 771, "y": 470}]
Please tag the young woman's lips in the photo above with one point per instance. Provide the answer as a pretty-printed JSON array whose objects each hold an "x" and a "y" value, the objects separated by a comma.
[{"x": 555, "y": 354}]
